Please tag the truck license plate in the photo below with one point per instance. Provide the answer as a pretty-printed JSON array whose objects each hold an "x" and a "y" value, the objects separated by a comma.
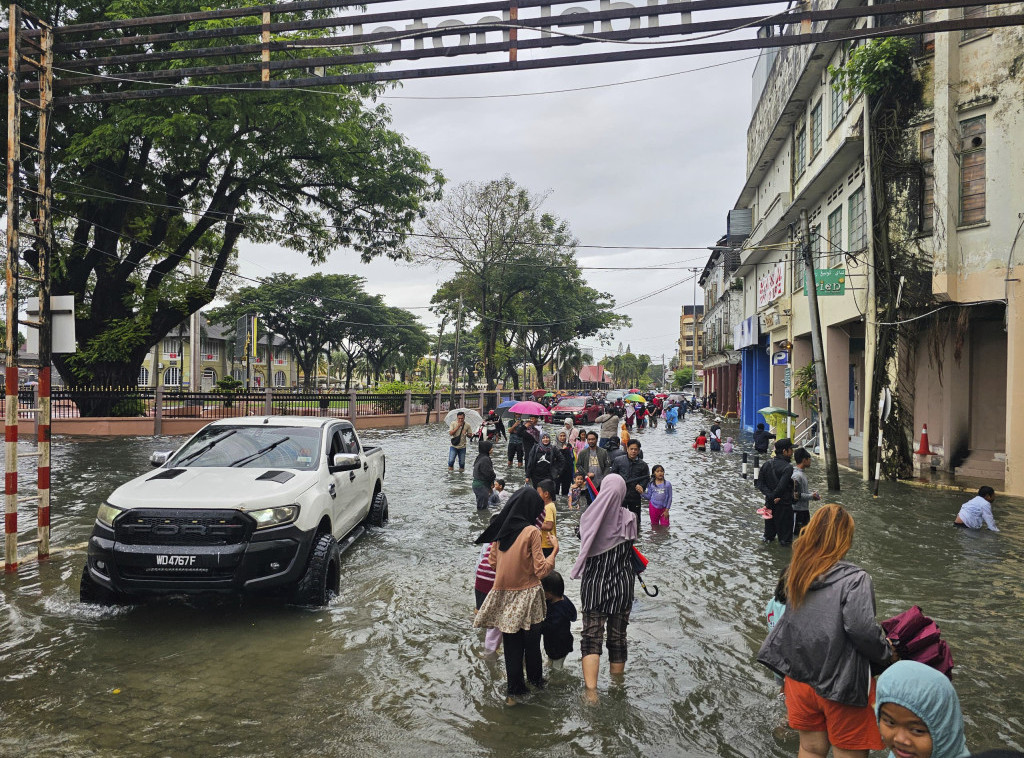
[{"x": 177, "y": 561}]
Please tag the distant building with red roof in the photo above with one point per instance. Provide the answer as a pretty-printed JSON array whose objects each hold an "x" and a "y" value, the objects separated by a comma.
[{"x": 595, "y": 377}]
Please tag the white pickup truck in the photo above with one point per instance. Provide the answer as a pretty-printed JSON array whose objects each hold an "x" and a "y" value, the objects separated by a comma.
[{"x": 246, "y": 505}]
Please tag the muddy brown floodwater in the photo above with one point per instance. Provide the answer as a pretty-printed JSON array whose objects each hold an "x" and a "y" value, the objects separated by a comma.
[{"x": 391, "y": 668}]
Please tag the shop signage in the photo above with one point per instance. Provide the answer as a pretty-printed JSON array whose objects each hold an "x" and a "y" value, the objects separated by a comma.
[
  {"x": 780, "y": 358},
  {"x": 828, "y": 281},
  {"x": 772, "y": 285},
  {"x": 746, "y": 333}
]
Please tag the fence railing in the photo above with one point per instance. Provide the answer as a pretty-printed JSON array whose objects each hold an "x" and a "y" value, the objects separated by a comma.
[{"x": 170, "y": 404}]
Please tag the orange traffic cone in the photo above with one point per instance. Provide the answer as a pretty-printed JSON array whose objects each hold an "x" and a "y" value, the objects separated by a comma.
[{"x": 923, "y": 448}]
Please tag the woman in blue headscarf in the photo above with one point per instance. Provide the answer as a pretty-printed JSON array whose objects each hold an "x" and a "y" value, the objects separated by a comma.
[{"x": 919, "y": 713}]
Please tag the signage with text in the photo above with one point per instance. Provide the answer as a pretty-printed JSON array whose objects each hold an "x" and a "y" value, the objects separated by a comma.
[
  {"x": 828, "y": 281},
  {"x": 772, "y": 285}
]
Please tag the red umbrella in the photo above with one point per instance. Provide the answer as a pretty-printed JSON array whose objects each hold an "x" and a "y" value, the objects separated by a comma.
[
  {"x": 538, "y": 393},
  {"x": 529, "y": 408}
]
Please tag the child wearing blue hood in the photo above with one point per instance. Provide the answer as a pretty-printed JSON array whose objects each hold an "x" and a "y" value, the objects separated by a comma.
[{"x": 919, "y": 713}]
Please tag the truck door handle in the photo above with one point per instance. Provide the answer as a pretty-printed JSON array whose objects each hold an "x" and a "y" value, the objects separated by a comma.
[
  {"x": 351, "y": 476},
  {"x": 366, "y": 465},
  {"x": 332, "y": 491}
]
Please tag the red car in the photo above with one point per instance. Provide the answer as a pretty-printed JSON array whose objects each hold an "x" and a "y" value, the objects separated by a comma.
[{"x": 582, "y": 410}]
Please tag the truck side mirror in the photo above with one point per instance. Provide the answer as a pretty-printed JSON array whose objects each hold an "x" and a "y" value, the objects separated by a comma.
[
  {"x": 160, "y": 457},
  {"x": 345, "y": 461}
]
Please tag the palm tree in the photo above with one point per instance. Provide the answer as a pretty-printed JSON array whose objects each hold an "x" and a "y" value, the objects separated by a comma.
[{"x": 569, "y": 360}]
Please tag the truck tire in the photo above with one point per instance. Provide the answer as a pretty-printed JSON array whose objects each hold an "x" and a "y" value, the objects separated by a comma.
[
  {"x": 93, "y": 594},
  {"x": 378, "y": 515},
  {"x": 323, "y": 573}
]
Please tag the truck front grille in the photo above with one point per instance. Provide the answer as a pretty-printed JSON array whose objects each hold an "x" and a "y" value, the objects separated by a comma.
[{"x": 182, "y": 527}]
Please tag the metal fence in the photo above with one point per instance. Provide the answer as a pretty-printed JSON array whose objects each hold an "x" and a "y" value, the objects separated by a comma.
[{"x": 135, "y": 402}]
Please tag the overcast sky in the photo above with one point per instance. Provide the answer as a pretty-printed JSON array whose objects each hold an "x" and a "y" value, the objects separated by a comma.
[{"x": 649, "y": 164}]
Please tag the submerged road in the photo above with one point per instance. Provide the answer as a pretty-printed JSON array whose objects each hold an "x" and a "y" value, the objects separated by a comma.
[{"x": 390, "y": 668}]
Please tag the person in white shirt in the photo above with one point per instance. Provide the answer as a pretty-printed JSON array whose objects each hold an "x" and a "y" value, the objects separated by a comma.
[{"x": 978, "y": 511}]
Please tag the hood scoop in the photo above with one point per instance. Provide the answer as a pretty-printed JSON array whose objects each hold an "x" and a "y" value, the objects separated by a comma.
[
  {"x": 168, "y": 473},
  {"x": 275, "y": 476}
]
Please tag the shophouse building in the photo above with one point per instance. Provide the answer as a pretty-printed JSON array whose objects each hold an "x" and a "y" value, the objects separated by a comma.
[{"x": 809, "y": 155}]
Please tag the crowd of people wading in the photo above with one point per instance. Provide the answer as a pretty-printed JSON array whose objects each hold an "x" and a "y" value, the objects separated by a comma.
[{"x": 850, "y": 684}]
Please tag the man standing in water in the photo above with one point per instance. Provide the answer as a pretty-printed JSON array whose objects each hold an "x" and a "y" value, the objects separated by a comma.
[
  {"x": 593, "y": 461},
  {"x": 459, "y": 433},
  {"x": 634, "y": 471},
  {"x": 775, "y": 480}
]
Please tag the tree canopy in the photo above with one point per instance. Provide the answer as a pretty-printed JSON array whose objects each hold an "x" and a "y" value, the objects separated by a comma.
[
  {"x": 141, "y": 186},
  {"x": 323, "y": 311},
  {"x": 515, "y": 273}
]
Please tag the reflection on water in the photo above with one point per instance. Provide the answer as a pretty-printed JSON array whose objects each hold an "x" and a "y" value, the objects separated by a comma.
[{"x": 391, "y": 666}]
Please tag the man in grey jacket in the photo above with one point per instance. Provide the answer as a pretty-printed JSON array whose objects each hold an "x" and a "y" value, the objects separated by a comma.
[{"x": 802, "y": 495}]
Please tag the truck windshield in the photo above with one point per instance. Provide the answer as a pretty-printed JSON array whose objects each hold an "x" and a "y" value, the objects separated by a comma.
[{"x": 251, "y": 447}]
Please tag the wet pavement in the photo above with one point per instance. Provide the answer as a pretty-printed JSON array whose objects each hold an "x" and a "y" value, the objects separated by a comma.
[{"x": 391, "y": 666}]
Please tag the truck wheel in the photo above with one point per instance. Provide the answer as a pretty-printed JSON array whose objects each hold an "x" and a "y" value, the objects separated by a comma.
[
  {"x": 323, "y": 574},
  {"x": 94, "y": 594},
  {"x": 378, "y": 515}
]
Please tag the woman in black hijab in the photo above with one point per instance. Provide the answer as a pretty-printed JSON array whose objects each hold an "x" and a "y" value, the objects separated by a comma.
[{"x": 515, "y": 604}]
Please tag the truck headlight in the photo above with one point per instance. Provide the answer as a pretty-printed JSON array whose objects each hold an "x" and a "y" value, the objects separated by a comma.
[
  {"x": 107, "y": 513},
  {"x": 268, "y": 517}
]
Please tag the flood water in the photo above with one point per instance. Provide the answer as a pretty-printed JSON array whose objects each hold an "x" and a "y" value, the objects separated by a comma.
[{"x": 391, "y": 666}]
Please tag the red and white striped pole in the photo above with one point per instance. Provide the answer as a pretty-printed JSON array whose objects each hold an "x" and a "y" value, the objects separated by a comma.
[
  {"x": 11, "y": 469},
  {"x": 11, "y": 302},
  {"x": 43, "y": 519}
]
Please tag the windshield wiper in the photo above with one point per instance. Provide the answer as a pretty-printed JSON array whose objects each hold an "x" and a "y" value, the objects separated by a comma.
[
  {"x": 205, "y": 448},
  {"x": 258, "y": 453}
]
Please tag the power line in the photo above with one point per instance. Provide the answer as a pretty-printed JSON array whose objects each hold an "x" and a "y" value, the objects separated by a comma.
[{"x": 568, "y": 89}]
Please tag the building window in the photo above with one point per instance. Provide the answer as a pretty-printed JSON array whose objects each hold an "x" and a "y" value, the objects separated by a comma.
[
  {"x": 172, "y": 377},
  {"x": 210, "y": 350},
  {"x": 280, "y": 379},
  {"x": 800, "y": 153},
  {"x": 816, "y": 129},
  {"x": 837, "y": 104},
  {"x": 927, "y": 181},
  {"x": 978, "y": 11},
  {"x": 835, "y": 236},
  {"x": 238, "y": 374},
  {"x": 858, "y": 221},
  {"x": 209, "y": 376},
  {"x": 972, "y": 170},
  {"x": 143, "y": 377},
  {"x": 171, "y": 345}
]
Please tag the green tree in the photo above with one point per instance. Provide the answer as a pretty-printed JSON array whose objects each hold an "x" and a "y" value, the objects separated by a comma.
[
  {"x": 141, "y": 186},
  {"x": 309, "y": 313},
  {"x": 500, "y": 243},
  {"x": 682, "y": 378},
  {"x": 395, "y": 333},
  {"x": 571, "y": 311}
]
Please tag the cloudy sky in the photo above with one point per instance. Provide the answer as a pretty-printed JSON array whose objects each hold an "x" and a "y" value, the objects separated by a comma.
[{"x": 646, "y": 164}]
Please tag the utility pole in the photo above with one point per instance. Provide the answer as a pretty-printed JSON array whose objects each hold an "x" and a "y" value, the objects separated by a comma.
[
  {"x": 433, "y": 374},
  {"x": 455, "y": 356},
  {"x": 693, "y": 329},
  {"x": 194, "y": 357},
  {"x": 818, "y": 352}
]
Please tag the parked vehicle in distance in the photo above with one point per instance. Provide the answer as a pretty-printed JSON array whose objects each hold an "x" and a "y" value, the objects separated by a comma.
[
  {"x": 246, "y": 505},
  {"x": 612, "y": 395},
  {"x": 582, "y": 410}
]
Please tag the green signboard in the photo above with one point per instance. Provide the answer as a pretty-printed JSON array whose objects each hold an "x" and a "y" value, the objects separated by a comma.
[{"x": 829, "y": 281}]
